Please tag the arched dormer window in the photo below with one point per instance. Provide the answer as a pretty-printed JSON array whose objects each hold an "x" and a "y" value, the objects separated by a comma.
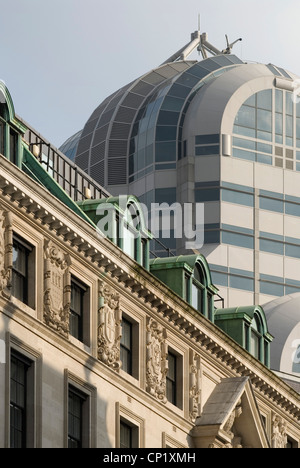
[
  {"x": 256, "y": 338},
  {"x": 198, "y": 289}
]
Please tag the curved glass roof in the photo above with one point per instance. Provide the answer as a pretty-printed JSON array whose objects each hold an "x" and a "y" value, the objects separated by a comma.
[
  {"x": 69, "y": 148},
  {"x": 138, "y": 129}
]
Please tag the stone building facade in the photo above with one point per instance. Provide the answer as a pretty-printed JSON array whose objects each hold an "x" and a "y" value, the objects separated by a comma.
[{"x": 96, "y": 351}]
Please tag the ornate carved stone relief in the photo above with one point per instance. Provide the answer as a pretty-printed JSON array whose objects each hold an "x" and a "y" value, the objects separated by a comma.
[
  {"x": 236, "y": 441},
  {"x": 157, "y": 364},
  {"x": 109, "y": 326},
  {"x": 57, "y": 288},
  {"x": 279, "y": 437},
  {"x": 195, "y": 385},
  {"x": 6, "y": 252}
]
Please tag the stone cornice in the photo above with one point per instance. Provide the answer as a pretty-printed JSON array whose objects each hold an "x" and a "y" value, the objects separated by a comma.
[{"x": 22, "y": 193}]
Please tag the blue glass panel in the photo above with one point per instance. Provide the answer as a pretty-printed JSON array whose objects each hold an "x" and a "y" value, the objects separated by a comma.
[
  {"x": 207, "y": 150},
  {"x": 272, "y": 289},
  {"x": 167, "y": 195},
  {"x": 207, "y": 139},
  {"x": 251, "y": 101},
  {"x": 212, "y": 237},
  {"x": 291, "y": 290},
  {"x": 165, "y": 167},
  {"x": 292, "y": 251},
  {"x": 264, "y": 120},
  {"x": 289, "y": 104},
  {"x": 188, "y": 80},
  {"x": 278, "y": 124},
  {"x": 264, "y": 148},
  {"x": 264, "y": 99},
  {"x": 237, "y": 197},
  {"x": 248, "y": 132},
  {"x": 271, "y": 246},
  {"x": 289, "y": 126},
  {"x": 165, "y": 151},
  {"x": 243, "y": 188},
  {"x": 238, "y": 282},
  {"x": 292, "y": 209},
  {"x": 242, "y": 154},
  {"x": 264, "y": 159},
  {"x": 172, "y": 103},
  {"x": 298, "y": 127},
  {"x": 198, "y": 71},
  {"x": 168, "y": 118},
  {"x": 180, "y": 91},
  {"x": 279, "y": 101},
  {"x": 220, "y": 279},
  {"x": 207, "y": 195},
  {"x": 246, "y": 117},
  {"x": 240, "y": 240},
  {"x": 165, "y": 133},
  {"x": 272, "y": 205},
  {"x": 241, "y": 142}
]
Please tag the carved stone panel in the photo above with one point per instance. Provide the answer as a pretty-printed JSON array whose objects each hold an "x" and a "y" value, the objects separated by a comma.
[
  {"x": 109, "y": 326},
  {"x": 195, "y": 386},
  {"x": 157, "y": 364},
  {"x": 57, "y": 288},
  {"x": 6, "y": 252},
  {"x": 279, "y": 436}
]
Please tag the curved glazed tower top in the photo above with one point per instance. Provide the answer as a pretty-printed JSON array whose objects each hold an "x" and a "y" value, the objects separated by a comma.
[{"x": 141, "y": 124}]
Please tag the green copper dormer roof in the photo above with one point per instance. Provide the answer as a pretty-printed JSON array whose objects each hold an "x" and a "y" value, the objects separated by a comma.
[
  {"x": 187, "y": 263},
  {"x": 248, "y": 327},
  {"x": 120, "y": 205},
  {"x": 6, "y": 100}
]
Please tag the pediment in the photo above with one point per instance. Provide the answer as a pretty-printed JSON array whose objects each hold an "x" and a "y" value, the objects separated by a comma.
[{"x": 230, "y": 418}]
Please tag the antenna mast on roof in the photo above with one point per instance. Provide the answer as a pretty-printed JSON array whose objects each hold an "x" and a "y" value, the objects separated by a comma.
[{"x": 199, "y": 41}]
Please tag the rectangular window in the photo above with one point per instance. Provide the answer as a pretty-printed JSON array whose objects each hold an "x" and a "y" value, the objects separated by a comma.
[
  {"x": 172, "y": 378},
  {"x": 13, "y": 146},
  {"x": 129, "y": 435},
  {"x": 126, "y": 347},
  {"x": 76, "y": 403},
  {"x": 20, "y": 400},
  {"x": 2, "y": 131},
  {"x": 21, "y": 273},
  {"x": 79, "y": 307}
]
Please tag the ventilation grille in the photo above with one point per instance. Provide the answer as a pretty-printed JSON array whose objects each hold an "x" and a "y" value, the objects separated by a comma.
[
  {"x": 142, "y": 88},
  {"x": 97, "y": 173},
  {"x": 100, "y": 135},
  {"x": 84, "y": 144},
  {"x": 105, "y": 118},
  {"x": 120, "y": 131},
  {"x": 89, "y": 127},
  {"x": 125, "y": 115},
  {"x": 117, "y": 148},
  {"x": 133, "y": 100},
  {"x": 98, "y": 153},
  {"x": 83, "y": 160},
  {"x": 117, "y": 171}
]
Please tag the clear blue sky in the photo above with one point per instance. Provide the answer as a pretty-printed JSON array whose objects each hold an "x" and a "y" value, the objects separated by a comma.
[{"x": 61, "y": 58}]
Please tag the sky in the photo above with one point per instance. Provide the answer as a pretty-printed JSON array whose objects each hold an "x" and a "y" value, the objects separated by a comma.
[{"x": 61, "y": 58}]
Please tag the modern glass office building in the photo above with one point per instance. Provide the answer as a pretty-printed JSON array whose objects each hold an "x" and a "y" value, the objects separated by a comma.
[{"x": 221, "y": 132}]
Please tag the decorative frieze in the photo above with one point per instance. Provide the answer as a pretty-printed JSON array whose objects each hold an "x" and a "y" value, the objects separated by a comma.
[
  {"x": 109, "y": 326},
  {"x": 157, "y": 363},
  {"x": 6, "y": 252},
  {"x": 195, "y": 386},
  {"x": 57, "y": 288},
  {"x": 279, "y": 436}
]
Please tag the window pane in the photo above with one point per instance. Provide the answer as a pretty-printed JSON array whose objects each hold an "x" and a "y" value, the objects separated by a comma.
[
  {"x": 75, "y": 420},
  {"x": 264, "y": 120},
  {"x": 125, "y": 436},
  {"x": 20, "y": 272},
  {"x": 126, "y": 347},
  {"x": 171, "y": 378},
  {"x": 76, "y": 311},
  {"x": 18, "y": 384},
  {"x": 246, "y": 117},
  {"x": 264, "y": 99}
]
